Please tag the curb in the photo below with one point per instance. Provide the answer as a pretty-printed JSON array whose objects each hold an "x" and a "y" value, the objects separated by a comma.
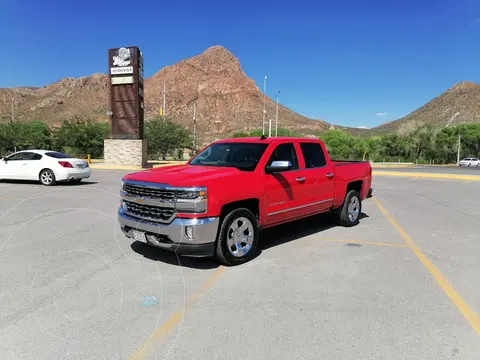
[
  {"x": 427, "y": 175},
  {"x": 116, "y": 167},
  {"x": 97, "y": 166}
]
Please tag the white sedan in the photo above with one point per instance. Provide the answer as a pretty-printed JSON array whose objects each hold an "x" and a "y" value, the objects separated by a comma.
[
  {"x": 48, "y": 167},
  {"x": 469, "y": 162}
]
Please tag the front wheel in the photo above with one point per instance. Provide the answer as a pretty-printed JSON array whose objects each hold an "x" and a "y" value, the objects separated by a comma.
[
  {"x": 47, "y": 177},
  {"x": 349, "y": 214},
  {"x": 238, "y": 237}
]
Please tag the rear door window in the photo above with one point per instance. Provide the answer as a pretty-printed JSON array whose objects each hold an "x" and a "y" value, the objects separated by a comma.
[
  {"x": 313, "y": 155},
  {"x": 58, "y": 155}
]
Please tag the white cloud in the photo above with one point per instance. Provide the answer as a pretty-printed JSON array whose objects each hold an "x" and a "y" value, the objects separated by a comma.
[
  {"x": 474, "y": 22},
  {"x": 381, "y": 114},
  {"x": 362, "y": 127}
]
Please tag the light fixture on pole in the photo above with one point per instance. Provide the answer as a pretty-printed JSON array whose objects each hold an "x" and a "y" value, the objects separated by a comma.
[
  {"x": 264, "y": 109},
  {"x": 276, "y": 115}
]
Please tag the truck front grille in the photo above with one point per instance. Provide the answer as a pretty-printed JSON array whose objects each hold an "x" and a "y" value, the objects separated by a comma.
[
  {"x": 152, "y": 213},
  {"x": 150, "y": 192}
]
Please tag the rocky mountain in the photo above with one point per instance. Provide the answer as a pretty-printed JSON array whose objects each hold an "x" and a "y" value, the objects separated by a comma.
[
  {"x": 458, "y": 105},
  {"x": 227, "y": 100}
]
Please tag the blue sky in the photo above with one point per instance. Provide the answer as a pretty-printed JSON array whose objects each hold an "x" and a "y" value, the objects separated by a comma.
[{"x": 344, "y": 61}]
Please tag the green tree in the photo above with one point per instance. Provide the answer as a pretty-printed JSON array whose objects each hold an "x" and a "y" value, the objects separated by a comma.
[
  {"x": 81, "y": 137},
  {"x": 341, "y": 145},
  {"x": 7, "y": 143},
  {"x": 32, "y": 135},
  {"x": 25, "y": 135},
  {"x": 165, "y": 137}
]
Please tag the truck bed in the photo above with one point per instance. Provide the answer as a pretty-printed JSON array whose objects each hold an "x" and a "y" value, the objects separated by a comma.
[
  {"x": 346, "y": 172},
  {"x": 346, "y": 162}
]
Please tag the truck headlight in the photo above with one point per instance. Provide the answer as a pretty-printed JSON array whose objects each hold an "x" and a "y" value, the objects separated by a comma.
[
  {"x": 191, "y": 200},
  {"x": 191, "y": 194}
]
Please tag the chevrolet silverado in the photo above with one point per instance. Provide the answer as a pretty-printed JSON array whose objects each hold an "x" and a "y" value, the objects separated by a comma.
[{"x": 216, "y": 204}]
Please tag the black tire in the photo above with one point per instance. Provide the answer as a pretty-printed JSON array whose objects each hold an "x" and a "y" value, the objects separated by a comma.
[
  {"x": 343, "y": 218},
  {"x": 45, "y": 175},
  {"x": 223, "y": 252}
]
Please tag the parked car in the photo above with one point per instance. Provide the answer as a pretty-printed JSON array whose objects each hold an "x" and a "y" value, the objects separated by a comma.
[
  {"x": 216, "y": 204},
  {"x": 469, "y": 162},
  {"x": 48, "y": 167}
]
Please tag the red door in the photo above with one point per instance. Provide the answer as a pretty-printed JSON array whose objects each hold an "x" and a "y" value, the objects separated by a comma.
[
  {"x": 285, "y": 192},
  {"x": 319, "y": 177}
]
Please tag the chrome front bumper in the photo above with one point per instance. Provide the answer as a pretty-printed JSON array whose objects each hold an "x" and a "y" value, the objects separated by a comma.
[{"x": 195, "y": 237}]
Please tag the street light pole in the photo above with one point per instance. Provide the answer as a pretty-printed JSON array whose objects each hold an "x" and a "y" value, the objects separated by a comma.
[
  {"x": 164, "y": 100},
  {"x": 13, "y": 112},
  {"x": 276, "y": 115},
  {"x": 194, "y": 129},
  {"x": 264, "y": 110},
  {"x": 458, "y": 151}
]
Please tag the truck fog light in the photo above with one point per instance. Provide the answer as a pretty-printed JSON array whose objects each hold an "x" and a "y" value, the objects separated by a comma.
[{"x": 189, "y": 232}]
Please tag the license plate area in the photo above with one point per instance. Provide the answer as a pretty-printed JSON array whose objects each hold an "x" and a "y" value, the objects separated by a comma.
[{"x": 139, "y": 236}]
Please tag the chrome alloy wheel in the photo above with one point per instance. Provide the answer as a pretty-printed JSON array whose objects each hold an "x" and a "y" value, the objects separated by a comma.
[
  {"x": 353, "y": 209},
  {"x": 240, "y": 237},
  {"x": 46, "y": 177}
]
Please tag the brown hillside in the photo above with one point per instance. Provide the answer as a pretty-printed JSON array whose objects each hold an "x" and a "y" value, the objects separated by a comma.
[
  {"x": 459, "y": 104},
  {"x": 227, "y": 100}
]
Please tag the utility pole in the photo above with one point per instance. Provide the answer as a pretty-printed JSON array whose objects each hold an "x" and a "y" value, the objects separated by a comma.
[
  {"x": 164, "y": 97},
  {"x": 458, "y": 152},
  {"x": 276, "y": 115},
  {"x": 13, "y": 112},
  {"x": 194, "y": 129},
  {"x": 264, "y": 109}
]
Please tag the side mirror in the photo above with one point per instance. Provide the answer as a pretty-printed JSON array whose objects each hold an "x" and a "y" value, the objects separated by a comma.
[{"x": 278, "y": 166}]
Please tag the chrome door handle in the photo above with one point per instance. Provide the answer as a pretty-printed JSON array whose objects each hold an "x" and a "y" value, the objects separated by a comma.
[
  {"x": 329, "y": 175},
  {"x": 300, "y": 179}
]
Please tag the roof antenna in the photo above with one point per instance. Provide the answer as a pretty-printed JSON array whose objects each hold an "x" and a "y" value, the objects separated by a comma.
[{"x": 263, "y": 137}]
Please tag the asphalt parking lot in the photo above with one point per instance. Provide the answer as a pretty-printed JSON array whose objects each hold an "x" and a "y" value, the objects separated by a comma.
[{"x": 403, "y": 284}]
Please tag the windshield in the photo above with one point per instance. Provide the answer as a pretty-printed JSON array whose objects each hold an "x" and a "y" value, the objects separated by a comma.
[{"x": 243, "y": 156}]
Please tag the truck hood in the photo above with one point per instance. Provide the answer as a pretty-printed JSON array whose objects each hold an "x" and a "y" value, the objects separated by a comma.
[{"x": 183, "y": 175}]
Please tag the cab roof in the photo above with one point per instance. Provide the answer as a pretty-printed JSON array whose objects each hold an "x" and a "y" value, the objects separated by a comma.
[{"x": 266, "y": 140}]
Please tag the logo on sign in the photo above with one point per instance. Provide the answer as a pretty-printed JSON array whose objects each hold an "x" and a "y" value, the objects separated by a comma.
[{"x": 123, "y": 57}]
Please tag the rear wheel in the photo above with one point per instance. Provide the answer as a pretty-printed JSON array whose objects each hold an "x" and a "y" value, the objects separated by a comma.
[
  {"x": 47, "y": 177},
  {"x": 238, "y": 237},
  {"x": 349, "y": 214}
]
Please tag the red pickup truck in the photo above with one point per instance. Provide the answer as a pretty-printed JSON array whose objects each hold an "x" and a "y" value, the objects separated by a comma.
[{"x": 216, "y": 204}]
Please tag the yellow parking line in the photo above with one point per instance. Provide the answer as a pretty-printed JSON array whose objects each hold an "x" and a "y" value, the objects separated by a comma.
[
  {"x": 365, "y": 242},
  {"x": 461, "y": 305},
  {"x": 143, "y": 351},
  {"x": 426, "y": 175}
]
